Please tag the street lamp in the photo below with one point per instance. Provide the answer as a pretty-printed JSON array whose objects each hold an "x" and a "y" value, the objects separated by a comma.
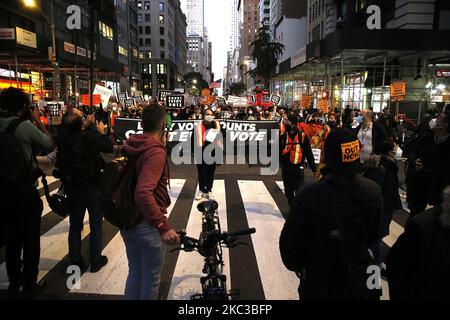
[
  {"x": 194, "y": 81},
  {"x": 51, "y": 23}
]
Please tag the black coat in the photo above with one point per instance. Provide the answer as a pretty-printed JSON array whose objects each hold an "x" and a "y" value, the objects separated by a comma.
[
  {"x": 309, "y": 242},
  {"x": 386, "y": 176},
  {"x": 418, "y": 264}
]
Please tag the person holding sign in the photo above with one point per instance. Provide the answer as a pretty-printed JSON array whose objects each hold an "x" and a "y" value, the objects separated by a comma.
[
  {"x": 206, "y": 133},
  {"x": 294, "y": 148}
]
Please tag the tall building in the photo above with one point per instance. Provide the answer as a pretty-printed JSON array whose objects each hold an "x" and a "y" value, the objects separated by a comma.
[
  {"x": 235, "y": 25},
  {"x": 127, "y": 43},
  {"x": 249, "y": 15},
  {"x": 159, "y": 26},
  {"x": 180, "y": 53},
  {"x": 264, "y": 12},
  {"x": 197, "y": 56},
  {"x": 195, "y": 17}
]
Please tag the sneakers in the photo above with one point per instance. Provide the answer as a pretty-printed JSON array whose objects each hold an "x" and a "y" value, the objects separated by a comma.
[
  {"x": 96, "y": 266},
  {"x": 202, "y": 196}
]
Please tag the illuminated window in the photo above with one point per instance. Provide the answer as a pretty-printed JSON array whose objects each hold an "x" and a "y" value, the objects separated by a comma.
[
  {"x": 161, "y": 68},
  {"x": 161, "y": 19},
  {"x": 123, "y": 51},
  {"x": 105, "y": 31},
  {"x": 161, "y": 6}
]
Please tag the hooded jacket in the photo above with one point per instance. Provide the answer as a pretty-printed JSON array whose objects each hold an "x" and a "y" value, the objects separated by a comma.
[{"x": 151, "y": 195}]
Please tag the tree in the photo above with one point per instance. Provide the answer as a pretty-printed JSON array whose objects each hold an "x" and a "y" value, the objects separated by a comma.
[
  {"x": 266, "y": 54},
  {"x": 195, "y": 83},
  {"x": 237, "y": 89}
]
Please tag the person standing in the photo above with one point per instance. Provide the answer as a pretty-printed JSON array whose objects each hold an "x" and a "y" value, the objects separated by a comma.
[
  {"x": 79, "y": 165},
  {"x": 418, "y": 264},
  {"x": 294, "y": 149},
  {"x": 369, "y": 134},
  {"x": 145, "y": 243},
  {"x": 331, "y": 226},
  {"x": 205, "y": 134},
  {"x": 20, "y": 200},
  {"x": 382, "y": 168}
]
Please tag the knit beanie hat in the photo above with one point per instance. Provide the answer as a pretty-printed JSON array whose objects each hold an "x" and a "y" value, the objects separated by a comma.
[{"x": 342, "y": 152}]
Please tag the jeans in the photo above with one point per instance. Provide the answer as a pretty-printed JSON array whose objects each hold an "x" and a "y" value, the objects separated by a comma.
[
  {"x": 293, "y": 178},
  {"x": 145, "y": 253},
  {"x": 22, "y": 232},
  {"x": 206, "y": 177},
  {"x": 80, "y": 199}
]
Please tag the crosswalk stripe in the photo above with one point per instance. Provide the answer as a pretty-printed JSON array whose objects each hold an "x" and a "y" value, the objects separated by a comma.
[
  {"x": 263, "y": 214},
  {"x": 110, "y": 280},
  {"x": 187, "y": 274}
]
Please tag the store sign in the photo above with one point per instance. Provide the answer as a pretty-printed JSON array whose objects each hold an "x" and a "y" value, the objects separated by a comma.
[
  {"x": 26, "y": 38},
  {"x": 443, "y": 73},
  {"x": 81, "y": 51},
  {"x": 68, "y": 47},
  {"x": 398, "y": 90},
  {"x": 7, "y": 34},
  {"x": 299, "y": 57}
]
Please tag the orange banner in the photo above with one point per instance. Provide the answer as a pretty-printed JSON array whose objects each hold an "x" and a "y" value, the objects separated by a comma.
[
  {"x": 398, "y": 90},
  {"x": 323, "y": 104},
  {"x": 306, "y": 101},
  {"x": 206, "y": 92}
]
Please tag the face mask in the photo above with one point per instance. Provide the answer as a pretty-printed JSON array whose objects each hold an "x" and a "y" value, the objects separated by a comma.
[
  {"x": 209, "y": 118},
  {"x": 250, "y": 112},
  {"x": 398, "y": 153},
  {"x": 235, "y": 112},
  {"x": 175, "y": 115},
  {"x": 432, "y": 124},
  {"x": 401, "y": 121}
]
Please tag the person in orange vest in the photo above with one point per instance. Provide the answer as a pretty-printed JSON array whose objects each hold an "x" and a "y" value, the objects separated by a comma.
[
  {"x": 294, "y": 149},
  {"x": 206, "y": 171}
]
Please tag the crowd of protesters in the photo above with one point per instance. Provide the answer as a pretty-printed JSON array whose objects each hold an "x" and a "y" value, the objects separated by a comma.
[{"x": 334, "y": 230}]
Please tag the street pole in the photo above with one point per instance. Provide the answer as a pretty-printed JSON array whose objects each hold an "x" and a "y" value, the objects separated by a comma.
[
  {"x": 91, "y": 63},
  {"x": 55, "y": 70}
]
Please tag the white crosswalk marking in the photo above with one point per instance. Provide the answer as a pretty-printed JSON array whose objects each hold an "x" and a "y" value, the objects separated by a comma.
[
  {"x": 264, "y": 215},
  {"x": 47, "y": 209},
  {"x": 187, "y": 274},
  {"x": 110, "y": 280}
]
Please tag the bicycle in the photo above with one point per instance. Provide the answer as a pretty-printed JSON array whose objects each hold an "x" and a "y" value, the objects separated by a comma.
[{"x": 209, "y": 245}]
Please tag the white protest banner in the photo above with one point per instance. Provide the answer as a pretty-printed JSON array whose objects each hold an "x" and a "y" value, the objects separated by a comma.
[{"x": 104, "y": 93}]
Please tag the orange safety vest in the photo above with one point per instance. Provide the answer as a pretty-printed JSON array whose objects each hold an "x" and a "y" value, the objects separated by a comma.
[
  {"x": 293, "y": 147},
  {"x": 282, "y": 128}
]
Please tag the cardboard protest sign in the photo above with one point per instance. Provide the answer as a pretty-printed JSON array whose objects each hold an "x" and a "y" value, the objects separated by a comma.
[
  {"x": 174, "y": 101},
  {"x": 104, "y": 93},
  {"x": 162, "y": 94}
]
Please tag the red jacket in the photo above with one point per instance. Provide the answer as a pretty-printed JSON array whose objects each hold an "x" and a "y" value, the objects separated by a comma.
[{"x": 151, "y": 195}]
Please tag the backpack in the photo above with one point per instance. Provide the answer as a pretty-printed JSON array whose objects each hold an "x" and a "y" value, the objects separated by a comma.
[
  {"x": 16, "y": 174},
  {"x": 73, "y": 163},
  {"x": 117, "y": 193}
]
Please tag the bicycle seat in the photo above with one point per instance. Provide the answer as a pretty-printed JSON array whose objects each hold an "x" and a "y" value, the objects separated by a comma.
[{"x": 208, "y": 206}]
